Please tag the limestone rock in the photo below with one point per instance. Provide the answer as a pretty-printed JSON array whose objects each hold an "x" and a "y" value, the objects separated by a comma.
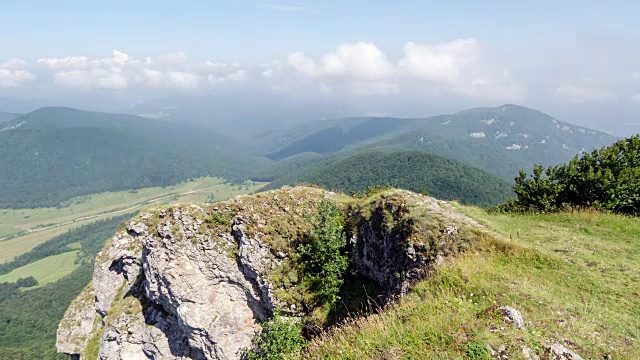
[
  {"x": 512, "y": 316},
  {"x": 560, "y": 352}
]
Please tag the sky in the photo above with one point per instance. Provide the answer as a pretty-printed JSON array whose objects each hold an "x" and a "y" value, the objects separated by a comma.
[{"x": 577, "y": 60}]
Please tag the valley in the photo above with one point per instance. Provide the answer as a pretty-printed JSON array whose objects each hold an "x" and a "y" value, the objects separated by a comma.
[{"x": 32, "y": 227}]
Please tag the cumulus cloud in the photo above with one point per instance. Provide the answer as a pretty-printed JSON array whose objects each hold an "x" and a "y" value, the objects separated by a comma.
[
  {"x": 122, "y": 71},
  {"x": 12, "y": 78},
  {"x": 441, "y": 62},
  {"x": 580, "y": 94},
  {"x": 457, "y": 67},
  {"x": 13, "y": 64},
  {"x": 361, "y": 61}
]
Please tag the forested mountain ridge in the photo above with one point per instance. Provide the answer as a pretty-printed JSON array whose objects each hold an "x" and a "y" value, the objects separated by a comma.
[
  {"x": 54, "y": 154},
  {"x": 411, "y": 170},
  {"x": 501, "y": 139}
]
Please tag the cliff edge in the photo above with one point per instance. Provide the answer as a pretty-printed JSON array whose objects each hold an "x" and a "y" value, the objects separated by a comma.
[{"x": 196, "y": 281}]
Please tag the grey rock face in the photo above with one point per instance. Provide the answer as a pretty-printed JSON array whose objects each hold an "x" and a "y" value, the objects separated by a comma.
[
  {"x": 559, "y": 352},
  {"x": 176, "y": 294},
  {"x": 512, "y": 316}
]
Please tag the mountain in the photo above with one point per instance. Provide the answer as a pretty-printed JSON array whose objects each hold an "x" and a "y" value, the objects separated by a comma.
[
  {"x": 501, "y": 140},
  {"x": 411, "y": 170},
  {"x": 53, "y": 154},
  {"x": 240, "y": 115},
  {"x": 6, "y": 117}
]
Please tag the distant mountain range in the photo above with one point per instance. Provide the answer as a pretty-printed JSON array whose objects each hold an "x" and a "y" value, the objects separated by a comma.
[
  {"x": 500, "y": 140},
  {"x": 53, "y": 154}
]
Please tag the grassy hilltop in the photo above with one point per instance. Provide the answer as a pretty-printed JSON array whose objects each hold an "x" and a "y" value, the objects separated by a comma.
[{"x": 574, "y": 277}]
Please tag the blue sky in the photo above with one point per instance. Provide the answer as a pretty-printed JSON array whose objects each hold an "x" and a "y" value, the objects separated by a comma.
[
  {"x": 255, "y": 31},
  {"x": 579, "y": 60}
]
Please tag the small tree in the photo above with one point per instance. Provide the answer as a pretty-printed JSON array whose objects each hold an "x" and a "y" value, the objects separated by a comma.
[
  {"x": 539, "y": 192},
  {"x": 279, "y": 338},
  {"x": 323, "y": 253}
]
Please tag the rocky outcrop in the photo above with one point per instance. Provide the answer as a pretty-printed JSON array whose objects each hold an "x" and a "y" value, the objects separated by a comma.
[
  {"x": 558, "y": 351},
  {"x": 195, "y": 281},
  {"x": 512, "y": 316}
]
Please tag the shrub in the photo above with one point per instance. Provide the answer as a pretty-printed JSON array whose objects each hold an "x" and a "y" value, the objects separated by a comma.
[
  {"x": 26, "y": 282},
  {"x": 608, "y": 179},
  {"x": 477, "y": 350},
  {"x": 323, "y": 253},
  {"x": 279, "y": 338}
]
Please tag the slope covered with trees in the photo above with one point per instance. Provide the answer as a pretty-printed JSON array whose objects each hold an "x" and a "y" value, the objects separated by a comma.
[
  {"x": 440, "y": 177},
  {"x": 500, "y": 140},
  {"x": 29, "y": 319},
  {"x": 607, "y": 179},
  {"x": 54, "y": 154}
]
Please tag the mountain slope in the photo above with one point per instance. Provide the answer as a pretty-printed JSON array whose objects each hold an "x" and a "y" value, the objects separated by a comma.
[
  {"x": 558, "y": 270},
  {"x": 501, "y": 140},
  {"x": 416, "y": 171},
  {"x": 5, "y": 117},
  {"x": 53, "y": 154}
]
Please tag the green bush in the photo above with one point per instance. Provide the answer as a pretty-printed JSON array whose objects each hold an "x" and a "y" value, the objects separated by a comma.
[
  {"x": 29, "y": 281},
  {"x": 606, "y": 179},
  {"x": 477, "y": 350},
  {"x": 324, "y": 253},
  {"x": 279, "y": 338}
]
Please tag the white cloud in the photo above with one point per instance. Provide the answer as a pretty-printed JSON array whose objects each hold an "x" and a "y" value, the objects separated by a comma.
[
  {"x": 182, "y": 80},
  {"x": 456, "y": 67},
  {"x": 579, "y": 94},
  {"x": 122, "y": 71},
  {"x": 13, "y": 64},
  {"x": 152, "y": 77},
  {"x": 13, "y": 78},
  {"x": 74, "y": 78},
  {"x": 72, "y": 62},
  {"x": 441, "y": 62},
  {"x": 635, "y": 98},
  {"x": 361, "y": 61},
  {"x": 112, "y": 81},
  {"x": 477, "y": 135}
]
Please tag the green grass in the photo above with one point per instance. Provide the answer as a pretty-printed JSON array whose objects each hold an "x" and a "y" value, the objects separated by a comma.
[
  {"x": 47, "y": 270},
  {"x": 100, "y": 206},
  {"x": 575, "y": 277}
]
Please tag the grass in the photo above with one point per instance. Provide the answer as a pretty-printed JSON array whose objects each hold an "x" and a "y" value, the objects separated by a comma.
[
  {"x": 100, "y": 206},
  {"x": 575, "y": 277},
  {"x": 47, "y": 270}
]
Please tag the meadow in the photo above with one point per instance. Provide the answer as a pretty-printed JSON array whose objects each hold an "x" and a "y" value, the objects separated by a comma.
[
  {"x": 23, "y": 229},
  {"x": 574, "y": 277}
]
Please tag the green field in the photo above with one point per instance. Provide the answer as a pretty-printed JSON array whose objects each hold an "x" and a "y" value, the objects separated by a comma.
[
  {"x": 574, "y": 277},
  {"x": 42, "y": 224},
  {"x": 46, "y": 270}
]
